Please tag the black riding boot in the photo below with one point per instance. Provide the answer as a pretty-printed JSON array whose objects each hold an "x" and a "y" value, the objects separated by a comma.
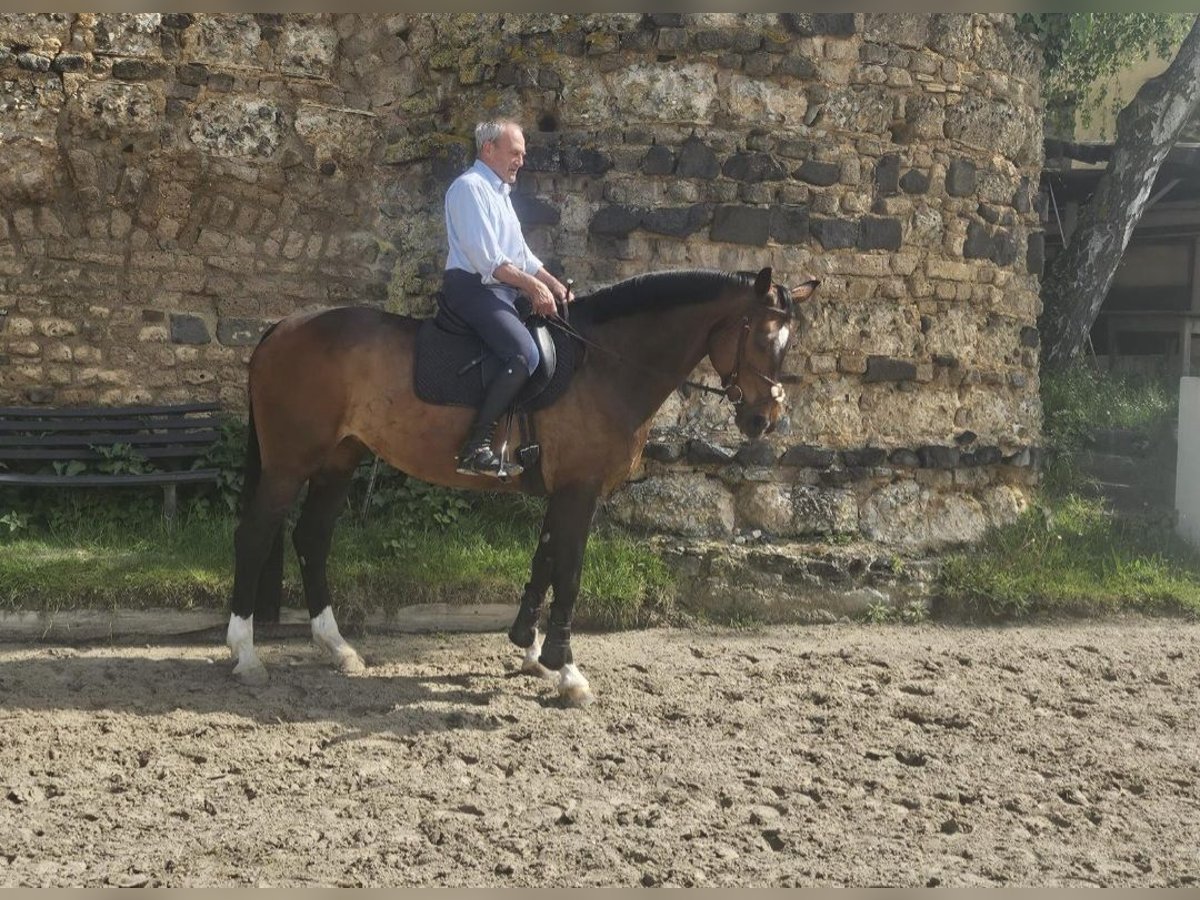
[{"x": 476, "y": 457}]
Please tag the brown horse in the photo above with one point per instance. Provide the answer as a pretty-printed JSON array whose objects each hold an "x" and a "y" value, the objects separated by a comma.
[{"x": 328, "y": 387}]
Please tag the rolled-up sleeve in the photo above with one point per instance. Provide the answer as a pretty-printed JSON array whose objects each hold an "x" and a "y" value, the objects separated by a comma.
[
  {"x": 533, "y": 265},
  {"x": 472, "y": 230}
]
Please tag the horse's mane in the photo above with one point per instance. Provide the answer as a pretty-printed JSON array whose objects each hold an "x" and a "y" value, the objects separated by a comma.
[{"x": 655, "y": 291}]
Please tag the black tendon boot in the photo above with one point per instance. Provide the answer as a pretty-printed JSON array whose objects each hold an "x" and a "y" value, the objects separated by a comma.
[{"x": 476, "y": 456}]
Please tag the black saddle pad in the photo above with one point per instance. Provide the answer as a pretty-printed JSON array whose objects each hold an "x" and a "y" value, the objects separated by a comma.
[{"x": 442, "y": 354}]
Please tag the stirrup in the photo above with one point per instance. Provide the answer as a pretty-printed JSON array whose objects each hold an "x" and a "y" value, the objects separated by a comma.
[{"x": 482, "y": 461}]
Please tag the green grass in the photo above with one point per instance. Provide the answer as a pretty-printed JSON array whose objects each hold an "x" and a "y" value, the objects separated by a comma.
[
  {"x": 1074, "y": 558},
  {"x": 421, "y": 544},
  {"x": 1069, "y": 555},
  {"x": 481, "y": 555},
  {"x": 1080, "y": 399}
]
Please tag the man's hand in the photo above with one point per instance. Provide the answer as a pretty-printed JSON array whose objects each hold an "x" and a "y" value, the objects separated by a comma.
[{"x": 543, "y": 299}]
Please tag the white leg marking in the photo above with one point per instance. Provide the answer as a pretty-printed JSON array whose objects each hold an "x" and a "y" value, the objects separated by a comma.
[
  {"x": 325, "y": 634},
  {"x": 240, "y": 639},
  {"x": 530, "y": 664},
  {"x": 573, "y": 687}
]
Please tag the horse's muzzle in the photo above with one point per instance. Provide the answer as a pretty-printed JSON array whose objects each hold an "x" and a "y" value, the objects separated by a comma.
[{"x": 755, "y": 425}]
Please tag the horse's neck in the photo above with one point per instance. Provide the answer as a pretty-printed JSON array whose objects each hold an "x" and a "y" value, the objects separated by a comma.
[{"x": 653, "y": 352}]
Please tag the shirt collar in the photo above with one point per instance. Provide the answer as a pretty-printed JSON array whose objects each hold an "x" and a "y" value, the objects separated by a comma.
[{"x": 491, "y": 177}]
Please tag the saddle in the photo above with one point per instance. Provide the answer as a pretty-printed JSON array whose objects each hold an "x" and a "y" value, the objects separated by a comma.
[{"x": 453, "y": 366}]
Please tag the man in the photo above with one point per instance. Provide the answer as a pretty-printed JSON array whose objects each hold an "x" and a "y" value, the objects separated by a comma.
[{"x": 487, "y": 266}]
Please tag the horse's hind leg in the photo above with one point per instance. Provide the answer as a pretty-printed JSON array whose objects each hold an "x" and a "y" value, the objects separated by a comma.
[
  {"x": 524, "y": 630},
  {"x": 259, "y": 528},
  {"x": 312, "y": 538}
]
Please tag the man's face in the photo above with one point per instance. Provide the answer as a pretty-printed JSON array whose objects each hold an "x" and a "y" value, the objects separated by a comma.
[{"x": 505, "y": 155}]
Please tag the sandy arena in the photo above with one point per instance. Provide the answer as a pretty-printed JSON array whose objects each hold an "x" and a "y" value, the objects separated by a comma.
[{"x": 791, "y": 756}]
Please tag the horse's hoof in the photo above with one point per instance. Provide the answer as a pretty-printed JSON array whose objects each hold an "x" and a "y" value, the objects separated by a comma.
[
  {"x": 253, "y": 676},
  {"x": 574, "y": 690},
  {"x": 350, "y": 664},
  {"x": 577, "y": 697}
]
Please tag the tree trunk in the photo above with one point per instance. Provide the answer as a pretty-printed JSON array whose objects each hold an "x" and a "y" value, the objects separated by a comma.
[{"x": 1078, "y": 278}]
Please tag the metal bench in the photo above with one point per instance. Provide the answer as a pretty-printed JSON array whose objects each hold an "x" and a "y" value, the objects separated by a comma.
[{"x": 172, "y": 436}]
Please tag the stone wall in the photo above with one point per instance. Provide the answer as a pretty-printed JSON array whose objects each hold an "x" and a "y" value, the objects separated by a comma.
[{"x": 173, "y": 182}]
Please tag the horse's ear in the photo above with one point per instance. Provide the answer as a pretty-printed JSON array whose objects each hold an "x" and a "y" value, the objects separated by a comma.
[
  {"x": 805, "y": 290},
  {"x": 762, "y": 283}
]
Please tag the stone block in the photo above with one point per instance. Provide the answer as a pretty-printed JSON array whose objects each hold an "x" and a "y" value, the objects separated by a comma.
[
  {"x": 887, "y": 175},
  {"x": 822, "y": 363},
  {"x": 864, "y": 458},
  {"x": 938, "y": 457},
  {"x": 822, "y": 510},
  {"x": 585, "y": 161},
  {"x": 741, "y": 225},
  {"x": 685, "y": 505},
  {"x": 664, "y": 451},
  {"x": 852, "y": 363},
  {"x": 767, "y": 507},
  {"x": 697, "y": 160},
  {"x": 961, "y": 178},
  {"x": 1035, "y": 253},
  {"x": 712, "y": 39},
  {"x": 682, "y": 94},
  {"x": 677, "y": 221},
  {"x": 702, "y": 452},
  {"x": 615, "y": 221},
  {"x": 658, "y": 160},
  {"x": 949, "y": 271},
  {"x": 754, "y": 167},
  {"x": 796, "y": 65},
  {"x": 834, "y": 234},
  {"x": 808, "y": 457},
  {"x": 821, "y": 174},
  {"x": 814, "y": 24},
  {"x": 789, "y": 224},
  {"x": 238, "y": 127},
  {"x": 189, "y": 329},
  {"x": 756, "y": 453},
  {"x": 68, "y": 62},
  {"x": 140, "y": 69},
  {"x": 883, "y": 368},
  {"x": 914, "y": 181},
  {"x": 879, "y": 234}
]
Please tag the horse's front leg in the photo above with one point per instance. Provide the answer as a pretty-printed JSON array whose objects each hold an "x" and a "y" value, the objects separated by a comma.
[
  {"x": 569, "y": 519},
  {"x": 524, "y": 630}
]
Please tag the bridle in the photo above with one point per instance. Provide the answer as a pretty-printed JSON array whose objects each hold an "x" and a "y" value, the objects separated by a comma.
[{"x": 730, "y": 387}]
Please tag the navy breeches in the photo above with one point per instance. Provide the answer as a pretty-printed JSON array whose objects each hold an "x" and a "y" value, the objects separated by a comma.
[{"x": 495, "y": 320}]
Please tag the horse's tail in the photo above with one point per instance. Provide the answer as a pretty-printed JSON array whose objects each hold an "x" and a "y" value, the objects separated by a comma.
[
  {"x": 269, "y": 595},
  {"x": 252, "y": 470}
]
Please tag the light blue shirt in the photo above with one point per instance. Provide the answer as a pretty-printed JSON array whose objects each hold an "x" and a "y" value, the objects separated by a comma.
[{"x": 483, "y": 229}]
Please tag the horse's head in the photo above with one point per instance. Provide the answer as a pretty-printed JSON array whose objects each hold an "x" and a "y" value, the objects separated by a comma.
[{"x": 749, "y": 348}]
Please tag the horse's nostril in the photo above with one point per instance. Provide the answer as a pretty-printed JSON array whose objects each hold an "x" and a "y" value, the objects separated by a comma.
[{"x": 759, "y": 424}]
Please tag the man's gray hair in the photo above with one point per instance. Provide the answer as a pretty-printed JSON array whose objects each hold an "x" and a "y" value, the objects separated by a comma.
[{"x": 490, "y": 131}]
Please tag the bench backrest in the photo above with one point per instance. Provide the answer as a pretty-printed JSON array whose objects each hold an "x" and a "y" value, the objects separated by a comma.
[{"x": 182, "y": 432}]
